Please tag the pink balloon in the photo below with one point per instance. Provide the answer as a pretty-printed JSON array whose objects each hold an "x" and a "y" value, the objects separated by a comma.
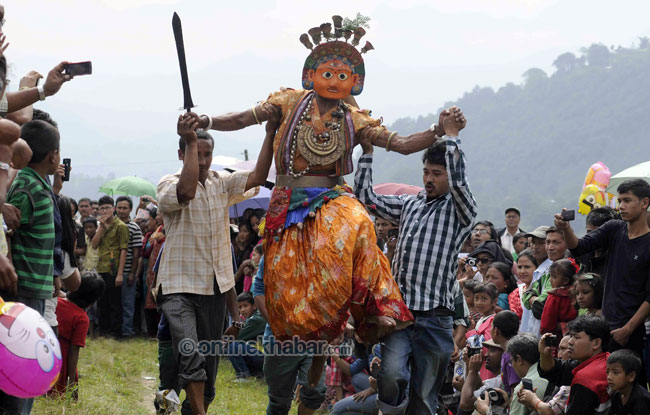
[{"x": 30, "y": 354}]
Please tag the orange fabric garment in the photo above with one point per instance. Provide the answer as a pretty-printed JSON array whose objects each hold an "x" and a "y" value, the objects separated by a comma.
[{"x": 316, "y": 276}]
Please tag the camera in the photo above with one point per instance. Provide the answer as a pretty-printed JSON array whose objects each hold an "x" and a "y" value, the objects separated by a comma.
[
  {"x": 495, "y": 398},
  {"x": 471, "y": 351},
  {"x": 471, "y": 262},
  {"x": 551, "y": 341},
  {"x": 568, "y": 215}
]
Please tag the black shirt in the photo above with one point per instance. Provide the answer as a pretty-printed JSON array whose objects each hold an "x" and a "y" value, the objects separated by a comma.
[
  {"x": 638, "y": 404},
  {"x": 627, "y": 270}
]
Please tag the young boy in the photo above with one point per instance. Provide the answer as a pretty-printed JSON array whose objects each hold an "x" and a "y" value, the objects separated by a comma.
[
  {"x": 504, "y": 327},
  {"x": 33, "y": 242},
  {"x": 73, "y": 327},
  {"x": 629, "y": 398},
  {"x": 244, "y": 353},
  {"x": 92, "y": 254},
  {"x": 586, "y": 369}
]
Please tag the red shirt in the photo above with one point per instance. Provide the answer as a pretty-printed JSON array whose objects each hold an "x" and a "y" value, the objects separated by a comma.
[{"x": 73, "y": 327}]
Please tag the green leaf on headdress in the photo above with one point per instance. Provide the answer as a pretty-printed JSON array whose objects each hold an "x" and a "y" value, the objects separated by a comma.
[{"x": 359, "y": 21}]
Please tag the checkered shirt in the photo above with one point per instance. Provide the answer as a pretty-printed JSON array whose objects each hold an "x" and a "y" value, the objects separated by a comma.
[
  {"x": 197, "y": 245},
  {"x": 431, "y": 232}
]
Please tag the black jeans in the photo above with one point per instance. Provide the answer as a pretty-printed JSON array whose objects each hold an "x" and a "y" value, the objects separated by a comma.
[{"x": 110, "y": 307}]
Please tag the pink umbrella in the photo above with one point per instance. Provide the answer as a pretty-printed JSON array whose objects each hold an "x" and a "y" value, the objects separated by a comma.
[{"x": 396, "y": 189}]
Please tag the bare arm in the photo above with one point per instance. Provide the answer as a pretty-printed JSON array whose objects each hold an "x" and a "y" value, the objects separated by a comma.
[
  {"x": 343, "y": 365},
  {"x": 260, "y": 302},
  {"x": 97, "y": 239},
  {"x": 72, "y": 282},
  {"x": 472, "y": 383},
  {"x": 25, "y": 98},
  {"x": 120, "y": 268},
  {"x": 622, "y": 334},
  {"x": 231, "y": 304},
  {"x": 261, "y": 171},
  {"x": 238, "y": 120},
  {"x": 189, "y": 180}
]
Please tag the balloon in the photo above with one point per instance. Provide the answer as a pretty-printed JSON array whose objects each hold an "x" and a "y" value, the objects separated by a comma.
[
  {"x": 593, "y": 190},
  {"x": 30, "y": 354}
]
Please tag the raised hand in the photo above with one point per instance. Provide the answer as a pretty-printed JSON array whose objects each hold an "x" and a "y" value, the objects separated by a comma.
[
  {"x": 187, "y": 124},
  {"x": 30, "y": 80},
  {"x": 452, "y": 121},
  {"x": 55, "y": 78}
]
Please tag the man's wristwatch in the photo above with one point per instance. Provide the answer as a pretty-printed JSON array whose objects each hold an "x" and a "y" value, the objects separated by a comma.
[
  {"x": 4, "y": 166},
  {"x": 435, "y": 128},
  {"x": 41, "y": 92}
]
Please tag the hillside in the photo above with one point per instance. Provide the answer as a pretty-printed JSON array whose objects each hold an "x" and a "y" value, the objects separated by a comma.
[{"x": 530, "y": 144}]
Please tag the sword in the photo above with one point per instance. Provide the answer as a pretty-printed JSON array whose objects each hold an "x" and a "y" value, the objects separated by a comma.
[{"x": 180, "y": 49}]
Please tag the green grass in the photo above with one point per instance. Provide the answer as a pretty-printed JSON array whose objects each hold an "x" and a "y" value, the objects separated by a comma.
[{"x": 113, "y": 380}]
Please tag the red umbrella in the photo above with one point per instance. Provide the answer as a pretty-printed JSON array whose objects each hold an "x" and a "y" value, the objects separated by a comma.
[{"x": 396, "y": 189}]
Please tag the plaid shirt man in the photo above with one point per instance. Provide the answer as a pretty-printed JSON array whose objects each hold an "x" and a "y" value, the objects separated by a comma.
[
  {"x": 431, "y": 232},
  {"x": 197, "y": 245}
]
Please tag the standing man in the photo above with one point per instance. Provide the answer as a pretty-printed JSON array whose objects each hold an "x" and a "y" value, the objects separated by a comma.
[
  {"x": 124, "y": 206},
  {"x": 195, "y": 278},
  {"x": 85, "y": 210},
  {"x": 626, "y": 298},
  {"x": 432, "y": 227},
  {"x": 112, "y": 241},
  {"x": 513, "y": 217}
]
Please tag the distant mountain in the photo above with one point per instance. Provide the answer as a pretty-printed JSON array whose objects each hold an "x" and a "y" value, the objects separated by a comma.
[{"x": 530, "y": 144}]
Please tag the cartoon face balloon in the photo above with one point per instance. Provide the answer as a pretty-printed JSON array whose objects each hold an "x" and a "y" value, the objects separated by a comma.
[{"x": 29, "y": 352}]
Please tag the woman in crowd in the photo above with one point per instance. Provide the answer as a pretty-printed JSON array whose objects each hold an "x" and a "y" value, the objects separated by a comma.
[
  {"x": 243, "y": 246},
  {"x": 526, "y": 265},
  {"x": 501, "y": 276}
]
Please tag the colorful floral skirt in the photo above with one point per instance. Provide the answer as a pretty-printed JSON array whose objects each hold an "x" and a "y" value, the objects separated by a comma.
[{"x": 317, "y": 274}]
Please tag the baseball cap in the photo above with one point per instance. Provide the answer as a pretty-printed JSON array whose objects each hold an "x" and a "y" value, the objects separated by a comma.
[
  {"x": 539, "y": 232},
  {"x": 513, "y": 209},
  {"x": 491, "y": 343}
]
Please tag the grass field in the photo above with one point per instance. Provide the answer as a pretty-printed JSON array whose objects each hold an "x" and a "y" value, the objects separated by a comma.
[{"x": 122, "y": 377}]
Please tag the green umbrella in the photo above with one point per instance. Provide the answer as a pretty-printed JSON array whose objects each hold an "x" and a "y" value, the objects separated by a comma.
[
  {"x": 639, "y": 171},
  {"x": 130, "y": 186}
]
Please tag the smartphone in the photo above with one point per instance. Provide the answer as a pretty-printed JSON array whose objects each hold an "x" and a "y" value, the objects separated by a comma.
[
  {"x": 527, "y": 384},
  {"x": 392, "y": 233},
  {"x": 551, "y": 341},
  {"x": 79, "y": 68},
  {"x": 568, "y": 215},
  {"x": 66, "y": 175},
  {"x": 471, "y": 351}
]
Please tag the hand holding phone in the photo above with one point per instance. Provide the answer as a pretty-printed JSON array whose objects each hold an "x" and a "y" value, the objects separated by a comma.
[
  {"x": 551, "y": 341},
  {"x": 66, "y": 166},
  {"x": 527, "y": 384}
]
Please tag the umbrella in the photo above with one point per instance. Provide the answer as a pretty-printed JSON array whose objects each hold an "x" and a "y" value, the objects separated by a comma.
[
  {"x": 130, "y": 186},
  {"x": 639, "y": 171},
  {"x": 261, "y": 200},
  {"x": 396, "y": 189}
]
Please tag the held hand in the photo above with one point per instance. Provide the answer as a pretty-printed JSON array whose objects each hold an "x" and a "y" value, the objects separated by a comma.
[
  {"x": 455, "y": 355},
  {"x": 55, "y": 78},
  {"x": 621, "y": 335},
  {"x": 528, "y": 398},
  {"x": 559, "y": 223},
  {"x": 187, "y": 124},
  {"x": 545, "y": 350},
  {"x": 8, "y": 277},
  {"x": 118, "y": 280},
  {"x": 363, "y": 395},
  {"x": 131, "y": 280},
  {"x": 373, "y": 382},
  {"x": 475, "y": 362},
  {"x": 57, "y": 183},
  {"x": 453, "y": 121},
  {"x": 458, "y": 382},
  {"x": 30, "y": 80}
]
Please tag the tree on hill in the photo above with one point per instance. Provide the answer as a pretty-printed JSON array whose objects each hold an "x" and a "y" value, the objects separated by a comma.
[{"x": 531, "y": 145}]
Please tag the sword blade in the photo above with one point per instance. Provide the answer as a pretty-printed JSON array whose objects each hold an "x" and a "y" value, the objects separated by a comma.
[{"x": 180, "y": 49}]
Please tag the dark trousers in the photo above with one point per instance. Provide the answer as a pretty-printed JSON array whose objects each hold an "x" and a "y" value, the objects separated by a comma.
[
  {"x": 636, "y": 343},
  {"x": 193, "y": 318},
  {"x": 110, "y": 308}
]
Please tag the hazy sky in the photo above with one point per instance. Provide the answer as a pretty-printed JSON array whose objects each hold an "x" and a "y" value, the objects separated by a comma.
[{"x": 122, "y": 118}]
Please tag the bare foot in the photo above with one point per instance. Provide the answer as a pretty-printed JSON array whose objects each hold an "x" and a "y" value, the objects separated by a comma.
[{"x": 316, "y": 370}]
